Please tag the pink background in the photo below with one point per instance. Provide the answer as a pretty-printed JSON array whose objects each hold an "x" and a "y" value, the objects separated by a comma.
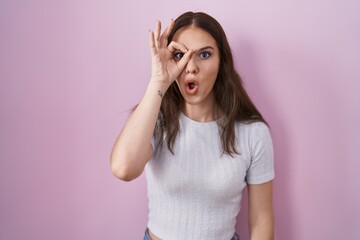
[{"x": 71, "y": 70}]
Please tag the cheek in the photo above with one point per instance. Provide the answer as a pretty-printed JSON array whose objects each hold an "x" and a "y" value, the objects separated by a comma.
[
  {"x": 212, "y": 72},
  {"x": 212, "y": 67}
]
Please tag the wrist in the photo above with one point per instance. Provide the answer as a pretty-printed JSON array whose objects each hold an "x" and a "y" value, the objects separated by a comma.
[{"x": 158, "y": 88}]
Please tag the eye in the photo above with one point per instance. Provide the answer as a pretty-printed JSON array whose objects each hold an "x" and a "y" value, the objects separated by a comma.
[
  {"x": 205, "y": 54},
  {"x": 178, "y": 55}
]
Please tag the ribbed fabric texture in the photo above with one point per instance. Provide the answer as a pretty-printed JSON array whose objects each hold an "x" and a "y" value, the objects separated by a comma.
[{"x": 196, "y": 193}]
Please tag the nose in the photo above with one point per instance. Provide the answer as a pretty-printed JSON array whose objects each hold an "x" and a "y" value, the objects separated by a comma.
[{"x": 192, "y": 67}]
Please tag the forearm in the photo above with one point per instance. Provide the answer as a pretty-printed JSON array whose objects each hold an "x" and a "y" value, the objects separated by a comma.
[
  {"x": 132, "y": 149},
  {"x": 262, "y": 229}
]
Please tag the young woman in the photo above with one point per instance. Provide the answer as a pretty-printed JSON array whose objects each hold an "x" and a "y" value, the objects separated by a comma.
[{"x": 199, "y": 137}]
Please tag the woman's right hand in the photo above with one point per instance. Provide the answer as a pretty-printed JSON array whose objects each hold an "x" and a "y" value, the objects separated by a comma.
[
  {"x": 164, "y": 68},
  {"x": 132, "y": 149}
]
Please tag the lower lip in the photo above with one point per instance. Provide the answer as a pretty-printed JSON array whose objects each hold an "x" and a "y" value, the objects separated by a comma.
[{"x": 192, "y": 91}]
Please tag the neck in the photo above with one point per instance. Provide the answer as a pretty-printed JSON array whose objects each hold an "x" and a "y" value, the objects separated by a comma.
[{"x": 203, "y": 112}]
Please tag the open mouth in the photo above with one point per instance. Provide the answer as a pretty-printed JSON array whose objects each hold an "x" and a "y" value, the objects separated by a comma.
[{"x": 191, "y": 87}]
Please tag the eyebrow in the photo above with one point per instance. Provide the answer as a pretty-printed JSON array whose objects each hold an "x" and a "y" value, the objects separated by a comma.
[{"x": 203, "y": 48}]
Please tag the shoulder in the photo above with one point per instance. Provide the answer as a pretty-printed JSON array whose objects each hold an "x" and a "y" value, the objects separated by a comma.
[
  {"x": 254, "y": 129},
  {"x": 255, "y": 135}
]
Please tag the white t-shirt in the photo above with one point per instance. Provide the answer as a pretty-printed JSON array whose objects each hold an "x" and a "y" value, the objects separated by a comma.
[{"x": 196, "y": 193}]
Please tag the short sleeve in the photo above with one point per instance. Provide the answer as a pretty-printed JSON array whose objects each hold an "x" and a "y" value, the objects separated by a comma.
[{"x": 261, "y": 168}]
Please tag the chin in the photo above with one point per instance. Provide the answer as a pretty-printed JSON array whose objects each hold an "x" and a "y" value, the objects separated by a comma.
[{"x": 193, "y": 100}]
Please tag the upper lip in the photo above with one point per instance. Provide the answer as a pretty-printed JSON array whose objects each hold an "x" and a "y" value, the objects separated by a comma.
[{"x": 191, "y": 80}]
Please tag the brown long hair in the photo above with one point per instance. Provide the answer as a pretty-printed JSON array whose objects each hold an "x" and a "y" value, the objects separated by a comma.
[{"x": 230, "y": 95}]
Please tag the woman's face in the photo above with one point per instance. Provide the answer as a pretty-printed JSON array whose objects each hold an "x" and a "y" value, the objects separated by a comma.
[{"x": 199, "y": 75}]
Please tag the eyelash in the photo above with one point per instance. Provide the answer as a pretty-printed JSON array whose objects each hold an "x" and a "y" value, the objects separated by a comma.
[
  {"x": 178, "y": 55},
  {"x": 208, "y": 54}
]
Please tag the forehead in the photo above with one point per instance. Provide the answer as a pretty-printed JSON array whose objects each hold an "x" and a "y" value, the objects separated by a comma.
[{"x": 194, "y": 38}]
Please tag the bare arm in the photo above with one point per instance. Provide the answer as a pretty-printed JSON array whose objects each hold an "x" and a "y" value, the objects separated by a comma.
[
  {"x": 261, "y": 216},
  {"x": 132, "y": 149}
]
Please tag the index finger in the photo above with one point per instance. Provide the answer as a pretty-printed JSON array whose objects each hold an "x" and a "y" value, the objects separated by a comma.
[
  {"x": 176, "y": 46},
  {"x": 185, "y": 59}
]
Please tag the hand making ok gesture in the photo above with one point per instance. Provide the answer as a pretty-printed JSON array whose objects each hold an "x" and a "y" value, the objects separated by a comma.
[{"x": 165, "y": 68}]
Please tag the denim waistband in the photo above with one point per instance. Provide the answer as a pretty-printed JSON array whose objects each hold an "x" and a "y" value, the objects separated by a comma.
[{"x": 147, "y": 236}]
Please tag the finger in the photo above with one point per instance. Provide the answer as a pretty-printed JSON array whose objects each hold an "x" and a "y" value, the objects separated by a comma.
[
  {"x": 152, "y": 42},
  {"x": 157, "y": 34},
  {"x": 177, "y": 46},
  {"x": 185, "y": 59},
  {"x": 166, "y": 33}
]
